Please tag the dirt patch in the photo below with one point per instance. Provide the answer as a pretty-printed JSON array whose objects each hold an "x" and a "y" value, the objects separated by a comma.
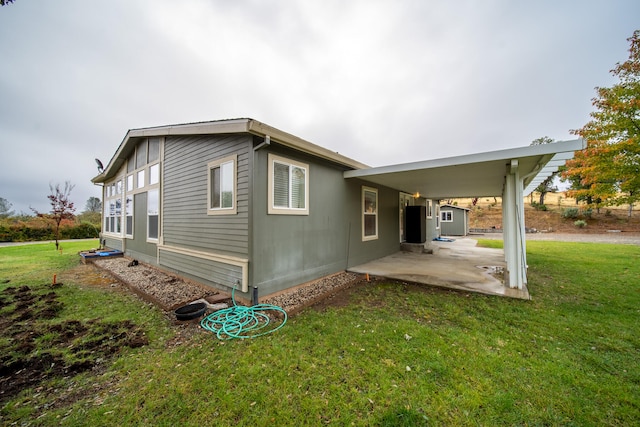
[{"x": 35, "y": 348}]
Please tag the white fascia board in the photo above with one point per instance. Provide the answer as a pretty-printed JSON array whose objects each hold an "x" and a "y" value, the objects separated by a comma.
[
  {"x": 489, "y": 156},
  {"x": 292, "y": 141},
  {"x": 201, "y": 128}
]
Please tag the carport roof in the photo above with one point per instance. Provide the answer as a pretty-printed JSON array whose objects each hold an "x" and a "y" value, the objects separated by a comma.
[{"x": 473, "y": 175}]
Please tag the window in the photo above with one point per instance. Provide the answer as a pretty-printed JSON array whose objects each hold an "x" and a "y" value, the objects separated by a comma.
[
  {"x": 141, "y": 154},
  {"x": 154, "y": 174},
  {"x": 153, "y": 207},
  {"x": 140, "y": 178},
  {"x": 129, "y": 183},
  {"x": 154, "y": 149},
  {"x": 128, "y": 212},
  {"x": 369, "y": 213},
  {"x": 446, "y": 216},
  {"x": 288, "y": 186},
  {"x": 221, "y": 196},
  {"x": 429, "y": 209},
  {"x": 112, "y": 212}
]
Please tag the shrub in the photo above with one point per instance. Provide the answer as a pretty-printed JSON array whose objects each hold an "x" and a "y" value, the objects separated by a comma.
[
  {"x": 580, "y": 223},
  {"x": 570, "y": 213},
  {"x": 587, "y": 212},
  {"x": 537, "y": 206}
]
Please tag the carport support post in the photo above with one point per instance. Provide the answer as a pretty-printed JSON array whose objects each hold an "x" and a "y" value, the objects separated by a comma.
[{"x": 513, "y": 228}]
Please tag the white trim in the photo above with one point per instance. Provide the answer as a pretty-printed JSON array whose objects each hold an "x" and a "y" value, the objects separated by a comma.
[
  {"x": 442, "y": 216},
  {"x": 233, "y": 159},
  {"x": 224, "y": 259},
  {"x": 276, "y": 210}
]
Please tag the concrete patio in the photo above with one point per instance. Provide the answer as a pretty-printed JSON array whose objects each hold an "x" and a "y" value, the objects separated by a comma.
[{"x": 459, "y": 264}]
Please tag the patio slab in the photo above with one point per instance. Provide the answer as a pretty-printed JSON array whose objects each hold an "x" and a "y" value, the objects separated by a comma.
[{"x": 458, "y": 264}]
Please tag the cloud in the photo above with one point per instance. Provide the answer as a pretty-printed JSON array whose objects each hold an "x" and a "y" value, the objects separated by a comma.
[{"x": 380, "y": 81}]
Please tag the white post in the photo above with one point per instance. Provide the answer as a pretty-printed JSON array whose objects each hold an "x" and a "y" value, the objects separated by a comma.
[{"x": 513, "y": 228}]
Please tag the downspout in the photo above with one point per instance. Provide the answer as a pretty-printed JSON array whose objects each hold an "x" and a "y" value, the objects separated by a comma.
[{"x": 250, "y": 278}]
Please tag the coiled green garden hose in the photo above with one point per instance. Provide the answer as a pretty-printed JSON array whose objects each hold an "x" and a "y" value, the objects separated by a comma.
[{"x": 242, "y": 322}]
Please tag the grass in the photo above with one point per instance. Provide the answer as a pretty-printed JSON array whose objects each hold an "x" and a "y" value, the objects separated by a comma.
[{"x": 395, "y": 355}]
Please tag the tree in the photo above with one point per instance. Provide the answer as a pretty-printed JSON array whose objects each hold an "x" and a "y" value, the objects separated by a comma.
[
  {"x": 545, "y": 186},
  {"x": 5, "y": 208},
  {"x": 5, "y": 2},
  {"x": 92, "y": 213},
  {"x": 93, "y": 205},
  {"x": 61, "y": 207},
  {"x": 608, "y": 170}
]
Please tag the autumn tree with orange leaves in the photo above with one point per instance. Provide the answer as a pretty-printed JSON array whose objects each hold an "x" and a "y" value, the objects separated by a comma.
[{"x": 607, "y": 172}]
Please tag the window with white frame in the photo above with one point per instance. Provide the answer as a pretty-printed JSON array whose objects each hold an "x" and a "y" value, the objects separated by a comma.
[
  {"x": 113, "y": 208},
  {"x": 154, "y": 174},
  {"x": 446, "y": 216},
  {"x": 140, "y": 179},
  {"x": 369, "y": 213},
  {"x": 128, "y": 215},
  {"x": 142, "y": 175},
  {"x": 429, "y": 209},
  {"x": 222, "y": 186},
  {"x": 153, "y": 209},
  {"x": 288, "y": 186}
]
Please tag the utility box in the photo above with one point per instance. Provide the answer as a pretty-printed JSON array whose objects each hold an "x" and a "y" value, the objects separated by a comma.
[{"x": 416, "y": 225}]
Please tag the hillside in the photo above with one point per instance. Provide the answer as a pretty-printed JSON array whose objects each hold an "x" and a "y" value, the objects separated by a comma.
[{"x": 488, "y": 214}]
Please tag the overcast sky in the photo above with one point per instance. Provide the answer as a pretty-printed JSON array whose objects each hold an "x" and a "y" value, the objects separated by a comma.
[{"x": 383, "y": 82}]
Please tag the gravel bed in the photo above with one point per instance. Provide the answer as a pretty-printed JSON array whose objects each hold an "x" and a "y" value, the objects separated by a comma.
[
  {"x": 164, "y": 289},
  {"x": 171, "y": 291},
  {"x": 305, "y": 295}
]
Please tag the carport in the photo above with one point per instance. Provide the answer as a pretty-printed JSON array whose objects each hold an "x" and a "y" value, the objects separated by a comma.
[{"x": 510, "y": 174}]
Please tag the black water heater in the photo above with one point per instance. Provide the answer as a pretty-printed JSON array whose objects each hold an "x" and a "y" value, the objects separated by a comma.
[{"x": 416, "y": 224}]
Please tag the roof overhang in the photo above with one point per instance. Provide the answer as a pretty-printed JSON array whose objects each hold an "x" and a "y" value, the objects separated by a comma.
[
  {"x": 473, "y": 175},
  {"x": 217, "y": 127}
]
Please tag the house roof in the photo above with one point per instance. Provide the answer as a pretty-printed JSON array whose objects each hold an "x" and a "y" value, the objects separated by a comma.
[
  {"x": 242, "y": 125},
  {"x": 454, "y": 207},
  {"x": 473, "y": 175}
]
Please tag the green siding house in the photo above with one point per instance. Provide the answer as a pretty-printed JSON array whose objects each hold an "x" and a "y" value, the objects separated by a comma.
[
  {"x": 237, "y": 203},
  {"x": 240, "y": 204}
]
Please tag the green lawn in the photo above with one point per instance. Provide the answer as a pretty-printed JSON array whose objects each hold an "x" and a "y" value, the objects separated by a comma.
[{"x": 395, "y": 355}]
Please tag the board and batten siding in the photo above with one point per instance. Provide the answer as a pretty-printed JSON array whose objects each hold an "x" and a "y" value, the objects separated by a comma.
[{"x": 191, "y": 238}]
